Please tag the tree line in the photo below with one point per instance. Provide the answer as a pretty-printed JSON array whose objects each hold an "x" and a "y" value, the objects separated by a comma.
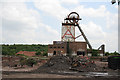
[
  {"x": 8, "y": 49},
  {"x": 95, "y": 53}
]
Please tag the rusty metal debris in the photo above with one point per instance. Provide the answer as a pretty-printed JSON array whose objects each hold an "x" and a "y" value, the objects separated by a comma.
[{"x": 83, "y": 63}]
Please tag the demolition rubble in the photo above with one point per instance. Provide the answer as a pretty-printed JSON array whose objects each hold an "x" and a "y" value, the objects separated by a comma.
[{"x": 60, "y": 63}]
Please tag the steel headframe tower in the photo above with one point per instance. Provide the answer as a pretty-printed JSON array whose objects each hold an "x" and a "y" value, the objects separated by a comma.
[{"x": 68, "y": 28}]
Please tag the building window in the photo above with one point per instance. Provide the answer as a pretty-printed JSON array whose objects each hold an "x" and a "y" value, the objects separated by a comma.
[
  {"x": 58, "y": 46},
  {"x": 81, "y": 53},
  {"x": 54, "y": 47},
  {"x": 62, "y": 47},
  {"x": 50, "y": 47}
]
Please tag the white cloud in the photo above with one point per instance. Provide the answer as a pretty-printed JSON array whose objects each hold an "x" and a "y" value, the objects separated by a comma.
[
  {"x": 15, "y": 0},
  {"x": 69, "y": 2},
  {"x": 55, "y": 8},
  {"x": 94, "y": 0},
  {"x": 52, "y": 7},
  {"x": 94, "y": 33},
  {"x": 22, "y": 25},
  {"x": 97, "y": 36},
  {"x": 112, "y": 20},
  {"x": 116, "y": 6},
  {"x": 111, "y": 41},
  {"x": 91, "y": 12}
]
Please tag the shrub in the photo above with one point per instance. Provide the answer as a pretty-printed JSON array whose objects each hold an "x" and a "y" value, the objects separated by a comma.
[
  {"x": 45, "y": 54},
  {"x": 31, "y": 62},
  {"x": 95, "y": 52},
  {"x": 38, "y": 53},
  {"x": 107, "y": 54}
]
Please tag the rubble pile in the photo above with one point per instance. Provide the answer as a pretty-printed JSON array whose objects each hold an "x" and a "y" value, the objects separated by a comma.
[
  {"x": 81, "y": 63},
  {"x": 56, "y": 64},
  {"x": 60, "y": 63}
]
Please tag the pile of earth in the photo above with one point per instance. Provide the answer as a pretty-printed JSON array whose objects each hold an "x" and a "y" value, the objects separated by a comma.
[
  {"x": 55, "y": 64},
  {"x": 60, "y": 63}
]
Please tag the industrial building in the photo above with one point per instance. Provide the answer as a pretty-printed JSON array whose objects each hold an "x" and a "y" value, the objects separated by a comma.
[
  {"x": 68, "y": 45},
  {"x": 61, "y": 47}
]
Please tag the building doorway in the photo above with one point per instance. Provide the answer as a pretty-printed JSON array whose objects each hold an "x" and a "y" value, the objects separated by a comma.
[
  {"x": 54, "y": 53},
  {"x": 81, "y": 53}
]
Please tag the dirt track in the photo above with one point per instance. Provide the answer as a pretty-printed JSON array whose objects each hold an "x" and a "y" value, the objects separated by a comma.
[{"x": 26, "y": 76}]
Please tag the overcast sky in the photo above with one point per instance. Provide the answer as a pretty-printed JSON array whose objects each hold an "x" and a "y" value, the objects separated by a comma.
[{"x": 39, "y": 21}]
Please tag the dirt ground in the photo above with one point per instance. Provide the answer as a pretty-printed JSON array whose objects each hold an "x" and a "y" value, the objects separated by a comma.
[
  {"x": 40, "y": 76},
  {"x": 21, "y": 73},
  {"x": 27, "y": 75},
  {"x": 98, "y": 63},
  {"x": 101, "y": 64},
  {"x": 19, "y": 69}
]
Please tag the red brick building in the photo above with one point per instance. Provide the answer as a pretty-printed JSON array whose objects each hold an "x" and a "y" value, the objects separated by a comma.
[
  {"x": 60, "y": 47},
  {"x": 27, "y": 53}
]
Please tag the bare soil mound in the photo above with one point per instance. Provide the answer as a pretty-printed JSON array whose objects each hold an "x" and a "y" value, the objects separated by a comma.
[{"x": 60, "y": 63}]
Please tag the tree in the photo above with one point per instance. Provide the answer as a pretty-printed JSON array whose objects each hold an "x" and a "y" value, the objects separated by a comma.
[
  {"x": 22, "y": 61},
  {"x": 38, "y": 53},
  {"x": 112, "y": 54},
  {"x": 45, "y": 54},
  {"x": 13, "y": 49},
  {"x": 107, "y": 54},
  {"x": 95, "y": 52},
  {"x": 4, "y": 52},
  {"x": 116, "y": 53},
  {"x": 31, "y": 62}
]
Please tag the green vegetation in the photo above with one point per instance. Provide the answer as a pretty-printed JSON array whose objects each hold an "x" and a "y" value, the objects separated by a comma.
[
  {"x": 38, "y": 53},
  {"x": 29, "y": 62},
  {"x": 13, "y": 49},
  {"x": 95, "y": 52},
  {"x": 44, "y": 54},
  {"x": 112, "y": 54}
]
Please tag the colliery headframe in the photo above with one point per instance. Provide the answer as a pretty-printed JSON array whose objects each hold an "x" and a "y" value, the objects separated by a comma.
[{"x": 68, "y": 45}]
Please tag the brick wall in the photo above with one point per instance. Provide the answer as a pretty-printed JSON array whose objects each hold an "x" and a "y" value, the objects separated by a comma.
[
  {"x": 61, "y": 47},
  {"x": 78, "y": 46}
]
